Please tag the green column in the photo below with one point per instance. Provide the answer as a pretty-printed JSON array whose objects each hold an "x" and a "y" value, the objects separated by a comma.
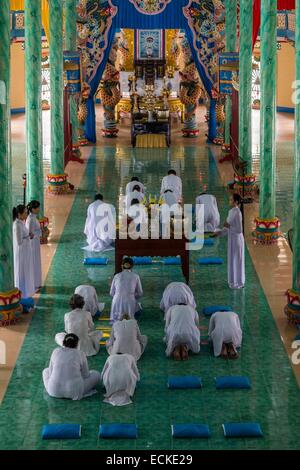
[
  {"x": 231, "y": 35},
  {"x": 33, "y": 80},
  {"x": 6, "y": 246},
  {"x": 56, "y": 86},
  {"x": 296, "y": 237},
  {"x": 71, "y": 45},
  {"x": 245, "y": 83},
  {"x": 268, "y": 108}
]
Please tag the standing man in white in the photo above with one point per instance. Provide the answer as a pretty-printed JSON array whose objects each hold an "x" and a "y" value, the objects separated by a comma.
[
  {"x": 173, "y": 183},
  {"x": 233, "y": 228},
  {"x": 98, "y": 235}
]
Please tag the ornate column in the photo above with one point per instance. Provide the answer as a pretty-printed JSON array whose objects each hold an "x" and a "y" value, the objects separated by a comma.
[
  {"x": 34, "y": 133},
  {"x": 231, "y": 36},
  {"x": 9, "y": 296},
  {"x": 267, "y": 225},
  {"x": 57, "y": 179},
  {"x": 292, "y": 310},
  {"x": 71, "y": 45},
  {"x": 245, "y": 185}
]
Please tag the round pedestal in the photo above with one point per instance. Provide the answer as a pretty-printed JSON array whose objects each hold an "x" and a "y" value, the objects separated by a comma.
[
  {"x": 110, "y": 132},
  {"x": 58, "y": 184},
  {"x": 292, "y": 309},
  {"x": 190, "y": 132},
  {"x": 245, "y": 186},
  {"x": 266, "y": 231},
  {"x": 10, "y": 308}
]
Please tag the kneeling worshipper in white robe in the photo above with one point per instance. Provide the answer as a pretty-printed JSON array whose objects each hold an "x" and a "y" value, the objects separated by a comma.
[
  {"x": 126, "y": 290},
  {"x": 225, "y": 333},
  {"x": 23, "y": 260},
  {"x": 182, "y": 332},
  {"x": 211, "y": 212},
  {"x": 34, "y": 229},
  {"x": 68, "y": 374},
  {"x": 177, "y": 293},
  {"x": 80, "y": 323},
  {"x": 120, "y": 375},
  {"x": 233, "y": 228},
  {"x": 134, "y": 194},
  {"x": 91, "y": 303},
  {"x": 173, "y": 183},
  {"x": 126, "y": 338},
  {"x": 100, "y": 226},
  {"x": 134, "y": 182}
]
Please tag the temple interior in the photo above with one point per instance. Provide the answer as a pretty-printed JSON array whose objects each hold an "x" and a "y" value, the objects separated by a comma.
[{"x": 94, "y": 93}]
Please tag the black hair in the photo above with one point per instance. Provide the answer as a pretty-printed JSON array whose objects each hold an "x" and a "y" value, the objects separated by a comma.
[
  {"x": 20, "y": 209},
  {"x": 172, "y": 172},
  {"x": 134, "y": 202},
  {"x": 135, "y": 178},
  {"x": 237, "y": 198},
  {"x": 71, "y": 341},
  {"x": 33, "y": 205},
  {"x": 168, "y": 191},
  {"x": 99, "y": 197},
  {"x": 76, "y": 301},
  {"x": 136, "y": 188},
  {"x": 127, "y": 261}
]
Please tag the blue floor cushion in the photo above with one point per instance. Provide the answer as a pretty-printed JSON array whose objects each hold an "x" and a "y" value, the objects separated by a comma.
[
  {"x": 118, "y": 431},
  {"x": 229, "y": 382},
  {"x": 172, "y": 261},
  {"x": 190, "y": 431},
  {"x": 95, "y": 261},
  {"x": 208, "y": 311},
  {"x": 242, "y": 430},
  {"x": 210, "y": 260},
  {"x": 140, "y": 260},
  {"x": 184, "y": 382},
  {"x": 61, "y": 431}
]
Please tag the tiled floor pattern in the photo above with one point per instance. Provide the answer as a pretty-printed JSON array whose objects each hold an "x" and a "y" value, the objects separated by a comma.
[{"x": 273, "y": 400}]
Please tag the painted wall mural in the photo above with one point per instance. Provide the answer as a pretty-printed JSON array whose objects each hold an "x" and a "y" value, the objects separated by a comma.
[{"x": 150, "y": 7}]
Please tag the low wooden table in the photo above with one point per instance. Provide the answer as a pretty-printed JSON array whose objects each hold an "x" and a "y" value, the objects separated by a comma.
[{"x": 160, "y": 247}]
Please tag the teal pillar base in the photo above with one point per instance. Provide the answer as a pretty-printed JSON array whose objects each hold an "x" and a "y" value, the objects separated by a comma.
[{"x": 292, "y": 309}]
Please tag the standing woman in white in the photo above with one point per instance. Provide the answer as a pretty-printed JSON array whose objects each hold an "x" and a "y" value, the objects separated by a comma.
[
  {"x": 126, "y": 290},
  {"x": 34, "y": 229},
  {"x": 233, "y": 228},
  {"x": 23, "y": 263}
]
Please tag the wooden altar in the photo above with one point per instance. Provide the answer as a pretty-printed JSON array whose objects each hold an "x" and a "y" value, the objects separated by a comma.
[{"x": 152, "y": 247}]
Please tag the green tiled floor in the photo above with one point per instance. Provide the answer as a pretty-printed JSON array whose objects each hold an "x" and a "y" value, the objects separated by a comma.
[{"x": 274, "y": 398}]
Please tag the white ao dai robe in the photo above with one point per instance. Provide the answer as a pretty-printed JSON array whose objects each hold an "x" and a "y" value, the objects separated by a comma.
[
  {"x": 236, "y": 249},
  {"x": 97, "y": 236},
  {"x": 126, "y": 289},
  {"x": 132, "y": 184},
  {"x": 91, "y": 303},
  {"x": 224, "y": 327},
  {"x": 68, "y": 375},
  {"x": 34, "y": 227},
  {"x": 174, "y": 183},
  {"x": 126, "y": 338},
  {"x": 23, "y": 262},
  {"x": 182, "y": 327},
  {"x": 177, "y": 293},
  {"x": 120, "y": 375},
  {"x": 80, "y": 323},
  {"x": 211, "y": 212}
]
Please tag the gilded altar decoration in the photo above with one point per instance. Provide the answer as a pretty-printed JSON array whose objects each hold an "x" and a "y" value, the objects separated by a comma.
[
  {"x": 10, "y": 307},
  {"x": 150, "y": 7},
  {"x": 292, "y": 309},
  {"x": 267, "y": 231}
]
